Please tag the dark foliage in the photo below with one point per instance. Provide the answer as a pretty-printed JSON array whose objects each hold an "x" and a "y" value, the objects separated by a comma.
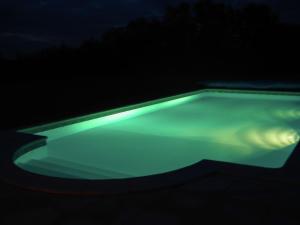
[
  {"x": 149, "y": 59},
  {"x": 200, "y": 41}
]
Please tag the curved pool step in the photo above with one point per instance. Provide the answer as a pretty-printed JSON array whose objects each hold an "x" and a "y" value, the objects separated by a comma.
[
  {"x": 98, "y": 170},
  {"x": 64, "y": 170},
  {"x": 58, "y": 167},
  {"x": 36, "y": 166}
]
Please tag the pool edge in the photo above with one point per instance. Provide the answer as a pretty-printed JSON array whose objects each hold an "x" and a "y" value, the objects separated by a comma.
[
  {"x": 24, "y": 141},
  {"x": 83, "y": 118}
]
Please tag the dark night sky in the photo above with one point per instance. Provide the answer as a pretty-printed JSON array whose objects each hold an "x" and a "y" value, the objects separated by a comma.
[{"x": 34, "y": 24}]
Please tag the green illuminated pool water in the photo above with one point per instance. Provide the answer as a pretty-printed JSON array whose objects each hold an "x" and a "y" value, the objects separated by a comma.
[{"x": 245, "y": 128}]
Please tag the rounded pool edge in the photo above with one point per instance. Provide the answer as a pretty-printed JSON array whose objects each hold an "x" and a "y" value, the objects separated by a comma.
[{"x": 16, "y": 144}]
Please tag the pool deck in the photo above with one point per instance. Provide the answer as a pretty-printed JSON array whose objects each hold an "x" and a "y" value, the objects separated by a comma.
[{"x": 213, "y": 192}]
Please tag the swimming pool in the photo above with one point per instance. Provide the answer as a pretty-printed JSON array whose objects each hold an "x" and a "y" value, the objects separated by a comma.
[{"x": 250, "y": 128}]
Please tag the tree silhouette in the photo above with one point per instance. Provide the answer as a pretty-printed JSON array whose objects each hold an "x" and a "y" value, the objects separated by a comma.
[{"x": 205, "y": 38}]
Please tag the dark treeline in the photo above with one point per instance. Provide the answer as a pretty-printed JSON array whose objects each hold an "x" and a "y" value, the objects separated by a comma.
[
  {"x": 201, "y": 41},
  {"x": 148, "y": 59}
]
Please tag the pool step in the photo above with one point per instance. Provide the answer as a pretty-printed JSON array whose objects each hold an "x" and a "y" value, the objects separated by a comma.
[
  {"x": 42, "y": 169},
  {"x": 88, "y": 168},
  {"x": 65, "y": 171}
]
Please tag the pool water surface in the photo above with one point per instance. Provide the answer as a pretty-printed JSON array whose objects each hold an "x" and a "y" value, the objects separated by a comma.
[{"x": 256, "y": 129}]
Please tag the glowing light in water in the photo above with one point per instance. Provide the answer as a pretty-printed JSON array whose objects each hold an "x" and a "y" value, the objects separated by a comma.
[
  {"x": 93, "y": 123},
  {"x": 272, "y": 138}
]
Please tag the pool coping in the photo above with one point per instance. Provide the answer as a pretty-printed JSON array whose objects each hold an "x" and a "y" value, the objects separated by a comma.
[{"x": 17, "y": 143}]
